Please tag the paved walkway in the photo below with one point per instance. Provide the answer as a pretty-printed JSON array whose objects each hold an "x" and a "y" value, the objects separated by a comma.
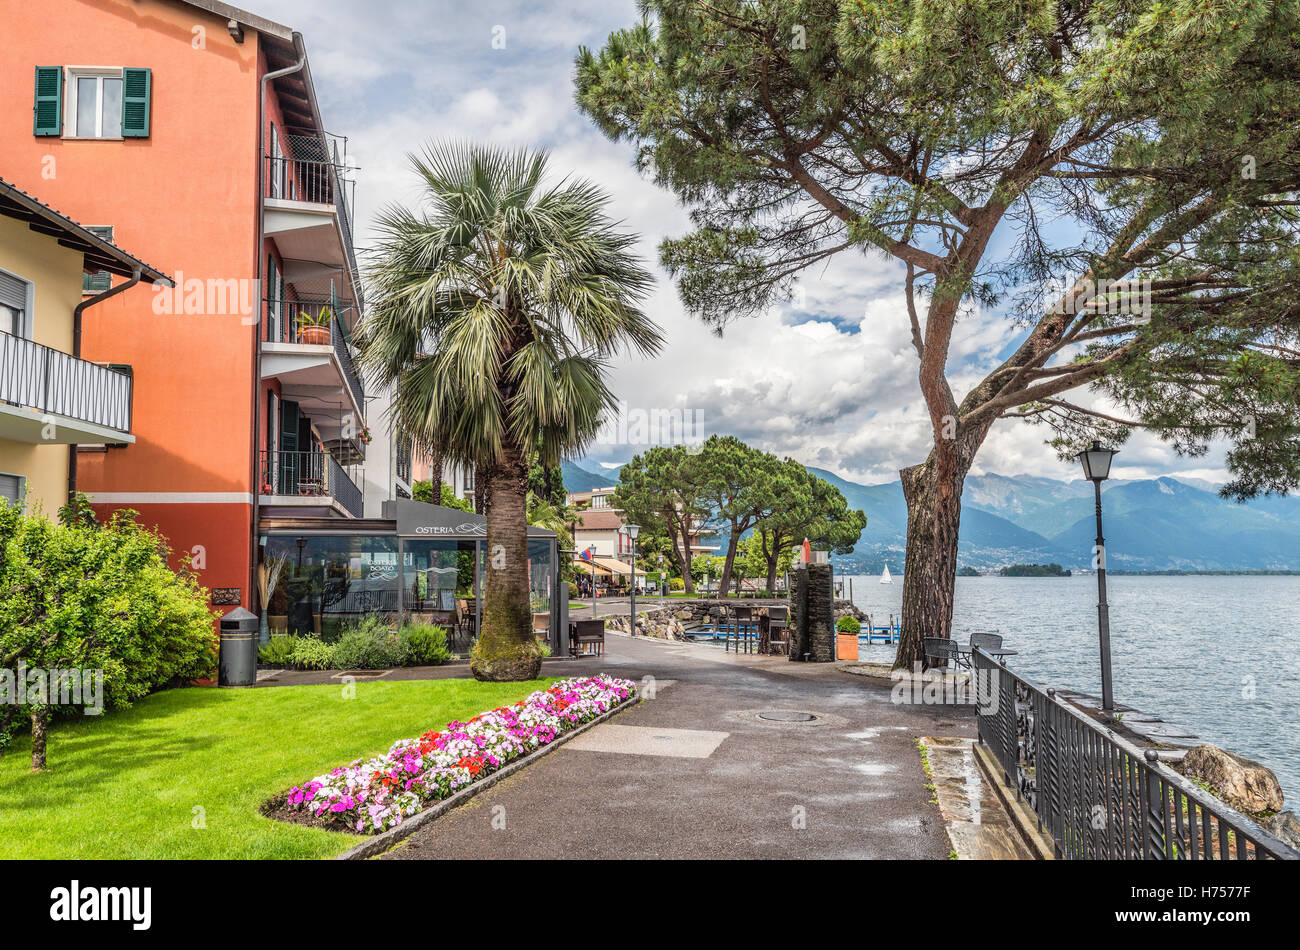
[{"x": 695, "y": 773}]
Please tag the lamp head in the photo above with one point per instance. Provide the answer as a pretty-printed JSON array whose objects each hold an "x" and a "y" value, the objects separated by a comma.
[{"x": 1096, "y": 462}]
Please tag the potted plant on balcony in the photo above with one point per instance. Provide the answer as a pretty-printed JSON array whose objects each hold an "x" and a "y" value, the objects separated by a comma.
[{"x": 314, "y": 329}]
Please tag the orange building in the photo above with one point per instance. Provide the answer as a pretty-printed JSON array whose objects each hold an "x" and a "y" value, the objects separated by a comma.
[{"x": 190, "y": 133}]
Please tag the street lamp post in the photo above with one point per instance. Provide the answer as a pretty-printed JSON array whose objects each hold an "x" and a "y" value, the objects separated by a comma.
[
  {"x": 1096, "y": 468},
  {"x": 632, "y": 530}
]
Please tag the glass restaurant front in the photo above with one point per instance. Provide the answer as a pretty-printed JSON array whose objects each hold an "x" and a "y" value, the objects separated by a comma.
[{"x": 415, "y": 564}]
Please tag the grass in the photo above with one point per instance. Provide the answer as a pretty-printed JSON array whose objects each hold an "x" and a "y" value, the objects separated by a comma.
[{"x": 182, "y": 773}]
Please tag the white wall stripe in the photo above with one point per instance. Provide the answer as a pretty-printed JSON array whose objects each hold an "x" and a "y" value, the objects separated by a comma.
[{"x": 171, "y": 497}]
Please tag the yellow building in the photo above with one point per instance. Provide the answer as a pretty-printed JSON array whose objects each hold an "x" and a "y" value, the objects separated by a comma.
[{"x": 53, "y": 272}]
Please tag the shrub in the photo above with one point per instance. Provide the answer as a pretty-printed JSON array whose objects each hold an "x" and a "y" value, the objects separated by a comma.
[
  {"x": 87, "y": 596},
  {"x": 369, "y": 645},
  {"x": 425, "y": 644},
  {"x": 573, "y": 591},
  {"x": 278, "y": 651},
  {"x": 848, "y": 624},
  {"x": 676, "y": 583},
  {"x": 312, "y": 654}
]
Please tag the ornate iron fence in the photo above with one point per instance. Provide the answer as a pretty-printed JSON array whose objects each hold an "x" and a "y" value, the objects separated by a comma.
[{"x": 1097, "y": 795}]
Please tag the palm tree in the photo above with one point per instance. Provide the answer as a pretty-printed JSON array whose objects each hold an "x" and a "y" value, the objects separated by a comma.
[{"x": 494, "y": 310}]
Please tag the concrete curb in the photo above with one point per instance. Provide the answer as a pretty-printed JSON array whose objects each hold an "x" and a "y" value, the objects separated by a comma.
[
  {"x": 1023, "y": 820},
  {"x": 378, "y": 844}
]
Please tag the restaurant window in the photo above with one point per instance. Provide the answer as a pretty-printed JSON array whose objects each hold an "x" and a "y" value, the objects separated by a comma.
[
  {"x": 317, "y": 585},
  {"x": 438, "y": 578}
]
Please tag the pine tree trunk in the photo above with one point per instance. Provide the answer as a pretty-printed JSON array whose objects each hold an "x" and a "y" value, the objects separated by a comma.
[
  {"x": 507, "y": 648},
  {"x": 724, "y": 583},
  {"x": 933, "y": 492},
  {"x": 40, "y": 723}
]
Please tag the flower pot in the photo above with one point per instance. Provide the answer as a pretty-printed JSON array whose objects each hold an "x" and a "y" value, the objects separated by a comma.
[
  {"x": 313, "y": 334},
  {"x": 846, "y": 646}
]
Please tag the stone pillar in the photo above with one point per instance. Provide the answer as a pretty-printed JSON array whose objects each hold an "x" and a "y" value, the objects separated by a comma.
[{"x": 812, "y": 631}]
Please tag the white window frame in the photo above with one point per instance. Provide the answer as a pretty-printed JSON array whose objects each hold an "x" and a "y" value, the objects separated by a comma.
[
  {"x": 70, "y": 76},
  {"x": 22, "y": 486},
  {"x": 29, "y": 311}
]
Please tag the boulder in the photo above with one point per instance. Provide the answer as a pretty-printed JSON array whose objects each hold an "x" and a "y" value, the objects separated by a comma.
[
  {"x": 1245, "y": 785},
  {"x": 1286, "y": 826}
]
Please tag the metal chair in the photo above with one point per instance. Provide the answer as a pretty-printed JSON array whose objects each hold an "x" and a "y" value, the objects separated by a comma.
[
  {"x": 940, "y": 652},
  {"x": 985, "y": 641},
  {"x": 743, "y": 629},
  {"x": 778, "y": 629}
]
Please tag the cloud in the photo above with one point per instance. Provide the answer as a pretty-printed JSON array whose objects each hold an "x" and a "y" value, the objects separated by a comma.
[{"x": 830, "y": 379}]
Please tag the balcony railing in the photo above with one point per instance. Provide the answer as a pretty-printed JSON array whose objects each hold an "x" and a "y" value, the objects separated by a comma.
[
  {"x": 54, "y": 382},
  {"x": 404, "y": 461},
  {"x": 293, "y": 321},
  {"x": 1096, "y": 794},
  {"x": 318, "y": 177},
  {"x": 309, "y": 475}
]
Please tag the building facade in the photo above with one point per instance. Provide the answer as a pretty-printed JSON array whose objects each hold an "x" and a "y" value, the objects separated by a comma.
[
  {"x": 192, "y": 131},
  {"x": 50, "y": 399}
]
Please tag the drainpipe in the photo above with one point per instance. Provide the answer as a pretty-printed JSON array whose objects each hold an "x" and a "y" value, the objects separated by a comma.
[
  {"x": 260, "y": 259},
  {"x": 76, "y": 351}
]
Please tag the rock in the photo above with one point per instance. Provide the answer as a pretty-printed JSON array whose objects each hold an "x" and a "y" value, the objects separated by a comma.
[
  {"x": 1286, "y": 826},
  {"x": 1245, "y": 785}
]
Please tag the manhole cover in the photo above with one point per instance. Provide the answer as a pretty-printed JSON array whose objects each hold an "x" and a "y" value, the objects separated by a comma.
[{"x": 782, "y": 716}]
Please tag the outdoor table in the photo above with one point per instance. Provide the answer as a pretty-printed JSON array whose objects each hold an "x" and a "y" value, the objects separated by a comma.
[{"x": 1002, "y": 654}]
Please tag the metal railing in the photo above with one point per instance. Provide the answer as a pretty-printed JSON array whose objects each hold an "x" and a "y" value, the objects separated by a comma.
[
  {"x": 283, "y": 323},
  {"x": 1097, "y": 795},
  {"x": 51, "y": 381},
  {"x": 404, "y": 461},
  {"x": 314, "y": 180},
  {"x": 308, "y": 474}
]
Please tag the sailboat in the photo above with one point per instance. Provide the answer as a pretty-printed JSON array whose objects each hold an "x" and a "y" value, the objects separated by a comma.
[{"x": 885, "y": 578}]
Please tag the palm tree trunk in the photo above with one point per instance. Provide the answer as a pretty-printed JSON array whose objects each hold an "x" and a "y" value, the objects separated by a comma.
[
  {"x": 507, "y": 648},
  {"x": 435, "y": 476}
]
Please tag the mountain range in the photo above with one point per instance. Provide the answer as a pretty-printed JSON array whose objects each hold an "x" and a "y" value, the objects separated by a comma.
[{"x": 1155, "y": 524}]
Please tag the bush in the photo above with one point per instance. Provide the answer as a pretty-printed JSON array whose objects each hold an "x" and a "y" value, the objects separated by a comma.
[
  {"x": 848, "y": 624},
  {"x": 309, "y": 653},
  {"x": 573, "y": 591},
  {"x": 369, "y": 645},
  {"x": 676, "y": 583},
  {"x": 278, "y": 650},
  {"x": 425, "y": 644},
  {"x": 86, "y": 596}
]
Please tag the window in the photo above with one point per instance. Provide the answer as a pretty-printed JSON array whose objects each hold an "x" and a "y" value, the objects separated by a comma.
[
  {"x": 95, "y": 104},
  {"x": 13, "y": 488},
  {"x": 15, "y": 305},
  {"x": 92, "y": 102},
  {"x": 98, "y": 283}
]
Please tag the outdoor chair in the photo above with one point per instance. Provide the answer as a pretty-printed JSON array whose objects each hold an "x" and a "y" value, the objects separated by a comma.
[
  {"x": 944, "y": 654},
  {"x": 985, "y": 641},
  {"x": 743, "y": 629},
  {"x": 778, "y": 629},
  {"x": 587, "y": 637}
]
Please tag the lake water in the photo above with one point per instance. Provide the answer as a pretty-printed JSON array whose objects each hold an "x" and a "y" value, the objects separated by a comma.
[{"x": 1187, "y": 649}]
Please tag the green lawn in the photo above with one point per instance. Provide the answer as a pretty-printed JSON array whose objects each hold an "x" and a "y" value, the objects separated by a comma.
[{"x": 127, "y": 784}]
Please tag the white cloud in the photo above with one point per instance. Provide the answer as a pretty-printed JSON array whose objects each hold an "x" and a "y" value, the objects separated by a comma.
[{"x": 830, "y": 380}]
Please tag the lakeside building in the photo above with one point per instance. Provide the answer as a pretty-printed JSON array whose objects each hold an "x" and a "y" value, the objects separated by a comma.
[
  {"x": 190, "y": 131},
  {"x": 51, "y": 400}
]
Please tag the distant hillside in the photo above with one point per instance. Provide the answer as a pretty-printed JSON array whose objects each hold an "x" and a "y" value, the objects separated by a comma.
[
  {"x": 1151, "y": 524},
  {"x": 579, "y": 479}
]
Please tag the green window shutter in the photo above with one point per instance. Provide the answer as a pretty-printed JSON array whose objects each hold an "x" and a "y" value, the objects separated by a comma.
[
  {"x": 98, "y": 283},
  {"x": 137, "y": 89},
  {"x": 48, "y": 110}
]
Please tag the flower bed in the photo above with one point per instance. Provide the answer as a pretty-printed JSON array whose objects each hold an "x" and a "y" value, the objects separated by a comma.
[{"x": 375, "y": 795}]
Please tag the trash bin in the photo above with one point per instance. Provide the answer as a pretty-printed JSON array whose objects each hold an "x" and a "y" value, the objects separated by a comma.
[{"x": 238, "y": 665}]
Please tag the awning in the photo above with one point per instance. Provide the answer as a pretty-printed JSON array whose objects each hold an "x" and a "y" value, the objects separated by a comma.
[
  {"x": 615, "y": 566},
  {"x": 589, "y": 567}
]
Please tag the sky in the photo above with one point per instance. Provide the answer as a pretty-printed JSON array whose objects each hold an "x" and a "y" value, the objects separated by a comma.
[{"x": 829, "y": 379}]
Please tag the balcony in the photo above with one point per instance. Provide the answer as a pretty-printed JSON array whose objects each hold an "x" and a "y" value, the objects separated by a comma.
[
  {"x": 307, "y": 480},
  {"x": 307, "y": 209},
  {"x": 304, "y": 343},
  {"x": 51, "y": 397}
]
